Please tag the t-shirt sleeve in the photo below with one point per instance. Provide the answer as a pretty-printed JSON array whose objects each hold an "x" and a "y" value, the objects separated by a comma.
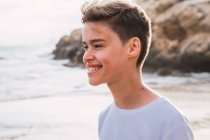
[{"x": 180, "y": 132}]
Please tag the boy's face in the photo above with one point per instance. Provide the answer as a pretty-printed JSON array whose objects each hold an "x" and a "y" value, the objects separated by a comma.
[{"x": 105, "y": 55}]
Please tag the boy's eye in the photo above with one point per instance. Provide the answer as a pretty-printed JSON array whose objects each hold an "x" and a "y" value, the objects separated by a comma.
[
  {"x": 97, "y": 46},
  {"x": 85, "y": 47}
]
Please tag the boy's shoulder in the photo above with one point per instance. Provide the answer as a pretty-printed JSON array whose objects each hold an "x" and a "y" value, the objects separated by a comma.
[{"x": 171, "y": 112}]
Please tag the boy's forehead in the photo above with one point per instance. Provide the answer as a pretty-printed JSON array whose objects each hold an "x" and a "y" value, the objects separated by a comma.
[
  {"x": 97, "y": 27},
  {"x": 96, "y": 30}
]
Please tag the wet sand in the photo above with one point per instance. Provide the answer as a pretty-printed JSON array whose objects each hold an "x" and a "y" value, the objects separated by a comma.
[{"x": 75, "y": 117}]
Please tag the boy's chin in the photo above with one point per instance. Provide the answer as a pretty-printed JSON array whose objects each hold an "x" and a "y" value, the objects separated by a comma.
[{"x": 94, "y": 83}]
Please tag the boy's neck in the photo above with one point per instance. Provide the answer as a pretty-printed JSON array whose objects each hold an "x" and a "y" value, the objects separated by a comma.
[{"x": 131, "y": 93}]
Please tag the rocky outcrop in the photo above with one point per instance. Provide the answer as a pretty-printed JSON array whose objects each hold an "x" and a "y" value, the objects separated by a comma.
[
  {"x": 70, "y": 47},
  {"x": 181, "y": 35},
  {"x": 180, "y": 42}
]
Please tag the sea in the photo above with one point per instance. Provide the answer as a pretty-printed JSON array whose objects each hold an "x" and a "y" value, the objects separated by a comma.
[{"x": 31, "y": 72}]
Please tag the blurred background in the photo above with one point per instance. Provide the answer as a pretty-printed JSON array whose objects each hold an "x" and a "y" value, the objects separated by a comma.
[{"x": 44, "y": 91}]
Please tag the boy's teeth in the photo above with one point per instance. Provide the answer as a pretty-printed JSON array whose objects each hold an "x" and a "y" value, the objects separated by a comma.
[{"x": 93, "y": 68}]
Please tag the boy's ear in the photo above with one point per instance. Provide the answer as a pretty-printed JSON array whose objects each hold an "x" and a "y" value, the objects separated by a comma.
[{"x": 134, "y": 47}]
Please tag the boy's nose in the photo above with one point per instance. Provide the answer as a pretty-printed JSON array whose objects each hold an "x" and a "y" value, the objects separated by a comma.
[{"x": 88, "y": 56}]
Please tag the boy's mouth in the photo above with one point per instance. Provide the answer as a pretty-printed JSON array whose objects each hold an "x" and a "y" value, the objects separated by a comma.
[{"x": 94, "y": 68}]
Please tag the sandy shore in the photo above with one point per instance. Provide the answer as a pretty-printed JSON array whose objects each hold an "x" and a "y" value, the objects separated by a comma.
[
  {"x": 53, "y": 118},
  {"x": 75, "y": 117}
]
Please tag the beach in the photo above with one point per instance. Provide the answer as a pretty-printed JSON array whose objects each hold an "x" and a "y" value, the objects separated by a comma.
[{"x": 75, "y": 116}]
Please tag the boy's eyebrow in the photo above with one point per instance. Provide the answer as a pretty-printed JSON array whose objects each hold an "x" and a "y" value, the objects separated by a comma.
[{"x": 93, "y": 41}]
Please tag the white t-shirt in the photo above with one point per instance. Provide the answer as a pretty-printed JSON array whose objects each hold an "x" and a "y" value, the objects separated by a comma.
[{"x": 158, "y": 120}]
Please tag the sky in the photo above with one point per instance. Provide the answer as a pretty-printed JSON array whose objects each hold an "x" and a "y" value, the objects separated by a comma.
[{"x": 31, "y": 22}]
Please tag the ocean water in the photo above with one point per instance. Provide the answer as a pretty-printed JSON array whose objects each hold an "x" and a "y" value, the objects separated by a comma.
[{"x": 30, "y": 72}]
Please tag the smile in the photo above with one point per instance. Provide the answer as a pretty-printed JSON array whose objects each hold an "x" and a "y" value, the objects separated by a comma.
[{"x": 92, "y": 69}]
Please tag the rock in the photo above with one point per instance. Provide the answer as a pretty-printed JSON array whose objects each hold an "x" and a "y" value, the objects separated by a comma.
[
  {"x": 70, "y": 47},
  {"x": 180, "y": 35},
  {"x": 180, "y": 41},
  {"x": 195, "y": 53}
]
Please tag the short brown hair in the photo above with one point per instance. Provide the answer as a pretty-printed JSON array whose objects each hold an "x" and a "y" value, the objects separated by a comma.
[{"x": 126, "y": 19}]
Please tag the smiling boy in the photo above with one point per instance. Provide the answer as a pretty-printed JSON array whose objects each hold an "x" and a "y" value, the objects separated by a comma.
[{"x": 116, "y": 38}]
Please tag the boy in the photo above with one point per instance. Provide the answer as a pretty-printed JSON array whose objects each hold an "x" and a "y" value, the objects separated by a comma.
[{"x": 116, "y": 38}]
